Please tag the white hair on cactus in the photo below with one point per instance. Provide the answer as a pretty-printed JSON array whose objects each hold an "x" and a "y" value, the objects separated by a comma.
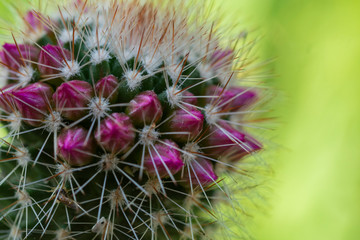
[
  {"x": 133, "y": 79},
  {"x": 25, "y": 74},
  {"x": 98, "y": 56},
  {"x": 67, "y": 36},
  {"x": 70, "y": 69}
]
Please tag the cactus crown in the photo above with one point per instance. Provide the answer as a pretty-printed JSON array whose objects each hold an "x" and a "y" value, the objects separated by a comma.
[{"x": 122, "y": 120}]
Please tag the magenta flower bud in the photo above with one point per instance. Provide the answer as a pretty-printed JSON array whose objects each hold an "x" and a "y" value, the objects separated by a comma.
[
  {"x": 221, "y": 58},
  {"x": 250, "y": 145},
  {"x": 15, "y": 56},
  {"x": 227, "y": 141},
  {"x": 33, "y": 102},
  {"x": 164, "y": 155},
  {"x": 116, "y": 133},
  {"x": 72, "y": 97},
  {"x": 145, "y": 108},
  {"x": 6, "y": 98},
  {"x": 35, "y": 21},
  {"x": 74, "y": 148},
  {"x": 79, "y": 4},
  {"x": 233, "y": 98},
  {"x": 201, "y": 172},
  {"x": 244, "y": 97},
  {"x": 51, "y": 59},
  {"x": 188, "y": 97},
  {"x": 190, "y": 120},
  {"x": 106, "y": 87}
]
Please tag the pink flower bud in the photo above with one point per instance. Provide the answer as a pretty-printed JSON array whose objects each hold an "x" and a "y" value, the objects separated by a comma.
[
  {"x": 6, "y": 98},
  {"x": 188, "y": 97},
  {"x": 233, "y": 98},
  {"x": 35, "y": 21},
  {"x": 107, "y": 86},
  {"x": 236, "y": 153},
  {"x": 190, "y": 120},
  {"x": 15, "y": 56},
  {"x": 72, "y": 97},
  {"x": 80, "y": 5},
  {"x": 201, "y": 172},
  {"x": 145, "y": 108},
  {"x": 229, "y": 142},
  {"x": 221, "y": 58},
  {"x": 116, "y": 133},
  {"x": 51, "y": 59},
  {"x": 73, "y": 147},
  {"x": 164, "y": 155},
  {"x": 33, "y": 102},
  {"x": 243, "y": 99}
]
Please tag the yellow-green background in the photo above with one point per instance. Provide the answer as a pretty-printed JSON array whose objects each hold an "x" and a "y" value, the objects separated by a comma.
[
  {"x": 316, "y": 191},
  {"x": 316, "y": 188}
]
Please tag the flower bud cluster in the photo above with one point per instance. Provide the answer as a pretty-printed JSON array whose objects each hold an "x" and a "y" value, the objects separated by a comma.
[{"x": 126, "y": 107}]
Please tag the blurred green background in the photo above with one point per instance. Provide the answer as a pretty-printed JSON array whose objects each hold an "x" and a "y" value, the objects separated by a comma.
[{"x": 316, "y": 191}]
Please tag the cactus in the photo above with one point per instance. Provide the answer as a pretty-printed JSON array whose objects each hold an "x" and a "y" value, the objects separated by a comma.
[{"x": 123, "y": 119}]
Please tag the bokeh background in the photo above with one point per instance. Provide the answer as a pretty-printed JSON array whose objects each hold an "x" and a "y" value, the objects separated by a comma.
[
  {"x": 316, "y": 188},
  {"x": 315, "y": 192}
]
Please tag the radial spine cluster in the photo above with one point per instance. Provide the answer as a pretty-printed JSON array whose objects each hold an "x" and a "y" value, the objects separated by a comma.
[{"x": 123, "y": 121}]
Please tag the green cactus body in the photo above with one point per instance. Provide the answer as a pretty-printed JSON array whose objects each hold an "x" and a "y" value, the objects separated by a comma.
[{"x": 122, "y": 122}]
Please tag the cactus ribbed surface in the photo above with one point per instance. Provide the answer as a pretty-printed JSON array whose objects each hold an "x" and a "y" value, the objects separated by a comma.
[{"x": 123, "y": 119}]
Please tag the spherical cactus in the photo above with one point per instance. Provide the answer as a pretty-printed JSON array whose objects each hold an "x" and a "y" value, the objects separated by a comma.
[{"x": 124, "y": 120}]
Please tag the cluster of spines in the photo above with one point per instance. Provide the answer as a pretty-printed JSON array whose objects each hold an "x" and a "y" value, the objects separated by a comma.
[{"x": 119, "y": 125}]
